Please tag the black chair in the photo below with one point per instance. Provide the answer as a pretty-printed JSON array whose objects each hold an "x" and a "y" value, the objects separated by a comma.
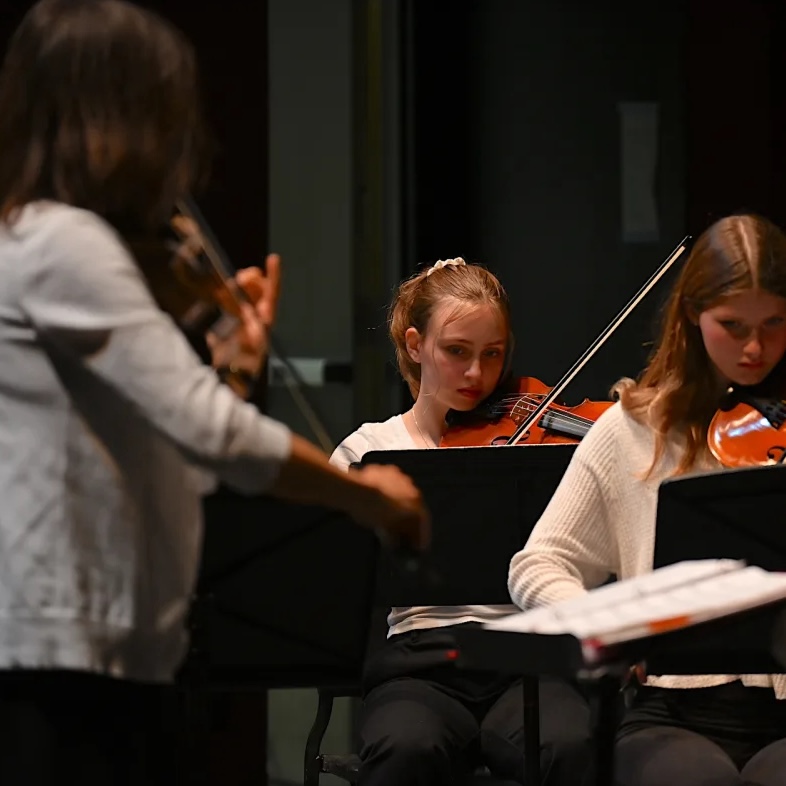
[{"x": 345, "y": 766}]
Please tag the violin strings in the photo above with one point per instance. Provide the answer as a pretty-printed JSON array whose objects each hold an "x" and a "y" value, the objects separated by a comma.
[
  {"x": 529, "y": 402},
  {"x": 565, "y": 417},
  {"x": 520, "y": 405}
]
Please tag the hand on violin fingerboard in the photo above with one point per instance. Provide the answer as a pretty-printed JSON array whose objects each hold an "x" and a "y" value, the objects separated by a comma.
[
  {"x": 240, "y": 356},
  {"x": 263, "y": 288}
]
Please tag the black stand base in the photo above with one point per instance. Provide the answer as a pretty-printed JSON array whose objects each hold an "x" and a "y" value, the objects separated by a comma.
[
  {"x": 531, "y": 693},
  {"x": 605, "y": 692}
]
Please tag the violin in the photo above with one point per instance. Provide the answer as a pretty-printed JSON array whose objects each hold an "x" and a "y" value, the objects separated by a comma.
[
  {"x": 189, "y": 275},
  {"x": 527, "y": 412},
  {"x": 749, "y": 429},
  {"x": 191, "y": 278},
  {"x": 496, "y": 421}
]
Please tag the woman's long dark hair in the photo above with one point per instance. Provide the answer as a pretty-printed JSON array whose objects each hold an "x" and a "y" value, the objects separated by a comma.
[{"x": 100, "y": 109}]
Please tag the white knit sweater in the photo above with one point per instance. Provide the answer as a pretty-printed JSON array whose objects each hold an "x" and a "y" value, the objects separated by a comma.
[{"x": 601, "y": 520}]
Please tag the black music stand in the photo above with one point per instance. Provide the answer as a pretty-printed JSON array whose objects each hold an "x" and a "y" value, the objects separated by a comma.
[
  {"x": 284, "y": 599},
  {"x": 285, "y": 593},
  {"x": 737, "y": 514},
  {"x": 484, "y": 502}
]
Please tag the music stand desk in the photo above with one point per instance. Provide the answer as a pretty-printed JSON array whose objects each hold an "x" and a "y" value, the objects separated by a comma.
[
  {"x": 484, "y": 502},
  {"x": 736, "y": 514},
  {"x": 285, "y": 595}
]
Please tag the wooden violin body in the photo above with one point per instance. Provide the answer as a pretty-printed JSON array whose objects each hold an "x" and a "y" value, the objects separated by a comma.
[
  {"x": 496, "y": 422},
  {"x": 189, "y": 279},
  {"x": 749, "y": 430}
]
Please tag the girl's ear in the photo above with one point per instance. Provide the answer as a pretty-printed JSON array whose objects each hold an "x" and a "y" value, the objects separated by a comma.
[{"x": 414, "y": 342}]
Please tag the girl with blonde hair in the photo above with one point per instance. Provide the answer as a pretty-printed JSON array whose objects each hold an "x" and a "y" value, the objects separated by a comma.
[{"x": 424, "y": 721}]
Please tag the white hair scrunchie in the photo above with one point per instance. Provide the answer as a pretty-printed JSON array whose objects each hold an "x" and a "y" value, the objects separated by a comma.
[{"x": 443, "y": 262}]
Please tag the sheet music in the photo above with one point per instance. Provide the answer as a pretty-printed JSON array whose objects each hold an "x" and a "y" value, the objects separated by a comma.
[{"x": 672, "y": 597}]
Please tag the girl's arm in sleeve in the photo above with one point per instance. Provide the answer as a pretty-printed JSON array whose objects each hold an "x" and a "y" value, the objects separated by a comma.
[
  {"x": 572, "y": 547},
  {"x": 86, "y": 297}
]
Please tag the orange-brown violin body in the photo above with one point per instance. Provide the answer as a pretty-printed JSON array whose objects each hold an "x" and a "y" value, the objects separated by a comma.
[
  {"x": 558, "y": 424},
  {"x": 185, "y": 282},
  {"x": 750, "y": 433}
]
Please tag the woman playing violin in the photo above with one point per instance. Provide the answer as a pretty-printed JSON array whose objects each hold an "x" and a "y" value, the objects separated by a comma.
[
  {"x": 424, "y": 721},
  {"x": 106, "y": 412},
  {"x": 725, "y": 324}
]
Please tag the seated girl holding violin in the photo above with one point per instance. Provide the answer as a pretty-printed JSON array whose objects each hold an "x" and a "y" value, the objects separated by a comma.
[
  {"x": 724, "y": 325},
  {"x": 425, "y": 721}
]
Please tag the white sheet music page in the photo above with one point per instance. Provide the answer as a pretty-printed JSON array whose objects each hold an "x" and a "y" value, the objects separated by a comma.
[{"x": 672, "y": 597}]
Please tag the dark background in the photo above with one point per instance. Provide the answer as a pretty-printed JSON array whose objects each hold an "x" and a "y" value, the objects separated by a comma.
[{"x": 514, "y": 150}]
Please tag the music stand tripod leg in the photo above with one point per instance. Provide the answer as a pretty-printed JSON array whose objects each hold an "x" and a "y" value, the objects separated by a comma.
[
  {"x": 531, "y": 700},
  {"x": 606, "y": 690}
]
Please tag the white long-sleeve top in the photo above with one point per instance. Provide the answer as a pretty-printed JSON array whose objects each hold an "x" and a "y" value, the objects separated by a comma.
[
  {"x": 106, "y": 413},
  {"x": 601, "y": 521}
]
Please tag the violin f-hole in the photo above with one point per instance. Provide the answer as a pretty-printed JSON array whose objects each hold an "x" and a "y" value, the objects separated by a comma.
[
  {"x": 501, "y": 440},
  {"x": 777, "y": 454}
]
